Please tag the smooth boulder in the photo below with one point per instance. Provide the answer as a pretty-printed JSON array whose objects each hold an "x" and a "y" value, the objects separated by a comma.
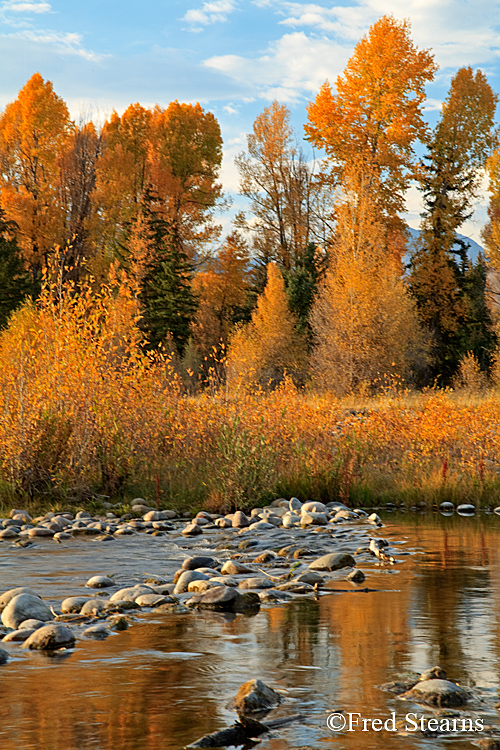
[
  {"x": 333, "y": 561},
  {"x": 25, "y": 607},
  {"x": 441, "y": 693},
  {"x": 50, "y": 638}
]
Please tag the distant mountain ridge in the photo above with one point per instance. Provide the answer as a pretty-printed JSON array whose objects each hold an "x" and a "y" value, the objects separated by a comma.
[{"x": 472, "y": 252}]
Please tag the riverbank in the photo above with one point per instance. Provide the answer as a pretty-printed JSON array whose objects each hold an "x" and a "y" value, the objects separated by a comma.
[{"x": 220, "y": 452}]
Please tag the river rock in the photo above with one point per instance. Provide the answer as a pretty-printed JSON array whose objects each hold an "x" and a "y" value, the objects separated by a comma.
[
  {"x": 225, "y": 599},
  {"x": 447, "y": 507},
  {"x": 256, "y": 583},
  {"x": 20, "y": 515},
  {"x": 296, "y": 588},
  {"x": 442, "y": 693},
  {"x": 199, "y": 561},
  {"x": 240, "y": 520},
  {"x": 73, "y": 604},
  {"x": 466, "y": 509},
  {"x": 233, "y": 568},
  {"x": 40, "y": 531},
  {"x": 313, "y": 507},
  {"x": 197, "y": 587},
  {"x": 273, "y": 595},
  {"x": 435, "y": 673},
  {"x": 18, "y": 636},
  {"x": 93, "y": 607},
  {"x": 333, "y": 561},
  {"x": 11, "y": 532},
  {"x": 185, "y": 579},
  {"x": 151, "y": 600},
  {"x": 31, "y": 624},
  {"x": 98, "y": 632},
  {"x": 262, "y": 526},
  {"x": 309, "y": 576},
  {"x": 4, "y": 656},
  {"x": 192, "y": 529},
  {"x": 223, "y": 523},
  {"x": 62, "y": 536},
  {"x": 265, "y": 557},
  {"x": 375, "y": 519},
  {"x": 311, "y": 518},
  {"x": 50, "y": 638},
  {"x": 290, "y": 519},
  {"x": 100, "y": 582},
  {"x": 130, "y": 593},
  {"x": 294, "y": 504},
  {"x": 356, "y": 576},
  {"x": 25, "y": 607},
  {"x": 255, "y": 696}
]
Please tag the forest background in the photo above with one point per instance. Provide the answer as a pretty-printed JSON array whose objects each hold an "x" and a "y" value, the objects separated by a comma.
[{"x": 312, "y": 349}]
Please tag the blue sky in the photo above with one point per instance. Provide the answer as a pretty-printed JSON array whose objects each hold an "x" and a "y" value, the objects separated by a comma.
[{"x": 233, "y": 56}]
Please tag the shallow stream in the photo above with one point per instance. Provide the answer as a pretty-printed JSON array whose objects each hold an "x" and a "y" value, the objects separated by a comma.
[{"x": 167, "y": 680}]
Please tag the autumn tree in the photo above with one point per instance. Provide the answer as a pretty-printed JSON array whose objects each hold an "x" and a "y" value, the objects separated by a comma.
[
  {"x": 374, "y": 116},
  {"x": 15, "y": 282},
  {"x": 34, "y": 133},
  {"x": 448, "y": 290},
  {"x": 262, "y": 351},
  {"x": 363, "y": 320},
  {"x": 222, "y": 292}
]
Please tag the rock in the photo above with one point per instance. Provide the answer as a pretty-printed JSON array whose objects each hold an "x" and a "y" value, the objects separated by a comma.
[
  {"x": 4, "y": 656},
  {"x": 31, "y": 624},
  {"x": 247, "y": 544},
  {"x": 294, "y": 503},
  {"x": 41, "y": 531},
  {"x": 225, "y": 580},
  {"x": 314, "y": 507},
  {"x": 130, "y": 593},
  {"x": 296, "y": 588},
  {"x": 356, "y": 576},
  {"x": 333, "y": 561},
  {"x": 50, "y": 638},
  {"x": 192, "y": 529},
  {"x": 93, "y": 607},
  {"x": 199, "y": 561},
  {"x": 100, "y": 631},
  {"x": 223, "y": 523},
  {"x": 255, "y": 696},
  {"x": 185, "y": 579},
  {"x": 344, "y": 515},
  {"x": 100, "y": 582},
  {"x": 233, "y": 568},
  {"x": 262, "y": 526},
  {"x": 25, "y": 607},
  {"x": 197, "y": 587},
  {"x": 302, "y": 552},
  {"x": 466, "y": 509},
  {"x": 73, "y": 604},
  {"x": 446, "y": 507},
  {"x": 18, "y": 636},
  {"x": 20, "y": 515},
  {"x": 240, "y": 520},
  {"x": 291, "y": 519},
  {"x": 265, "y": 557},
  {"x": 256, "y": 512},
  {"x": 309, "y": 576},
  {"x": 151, "y": 600},
  {"x": 11, "y": 532},
  {"x": 442, "y": 693},
  {"x": 311, "y": 518},
  {"x": 435, "y": 673},
  {"x": 219, "y": 598},
  {"x": 62, "y": 536},
  {"x": 256, "y": 583},
  {"x": 273, "y": 595}
]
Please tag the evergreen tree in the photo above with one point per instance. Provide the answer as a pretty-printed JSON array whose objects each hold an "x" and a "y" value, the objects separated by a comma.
[
  {"x": 15, "y": 282},
  {"x": 166, "y": 291},
  {"x": 301, "y": 284},
  {"x": 440, "y": 277}
]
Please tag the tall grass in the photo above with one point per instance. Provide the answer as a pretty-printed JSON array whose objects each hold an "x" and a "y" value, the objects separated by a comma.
[{"x": 85, "y": 412}]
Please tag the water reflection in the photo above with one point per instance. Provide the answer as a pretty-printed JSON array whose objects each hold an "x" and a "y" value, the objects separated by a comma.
[{"x": 167, "y": 681}]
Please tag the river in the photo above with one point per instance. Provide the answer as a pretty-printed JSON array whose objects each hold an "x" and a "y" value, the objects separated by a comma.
[{"x": 168, "y": 679}]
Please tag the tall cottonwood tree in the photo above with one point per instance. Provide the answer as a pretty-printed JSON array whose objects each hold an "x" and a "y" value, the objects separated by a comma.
[
  {"x": 34, "y": 133},
  {"x": 374, "y": 116},
  {"x": 448, "y": 290}
]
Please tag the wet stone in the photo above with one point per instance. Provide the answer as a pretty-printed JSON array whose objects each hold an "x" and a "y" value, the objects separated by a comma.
[
  {"x": 50, "y": 638},
  {"x": 442, "y": 693},
  {"x": 333, "y": 561},
  {"x": 100, "y": 582}
]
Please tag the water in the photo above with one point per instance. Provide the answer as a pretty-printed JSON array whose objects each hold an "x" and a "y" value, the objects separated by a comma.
[{"x": 168, "y": 679}]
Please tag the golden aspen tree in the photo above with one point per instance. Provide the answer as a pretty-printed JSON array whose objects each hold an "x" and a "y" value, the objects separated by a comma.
[
  {"x": 364, "y": 322},
  {"x": 375, "y": 114},
  {"x": 269, "y": 346},
  {"x": 34, "y": 133}
]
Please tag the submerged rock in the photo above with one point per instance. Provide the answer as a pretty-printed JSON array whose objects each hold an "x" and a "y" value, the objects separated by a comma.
[
  {"x": 255, "y": 696},
  {"x": 4, "y": 656},
  {"x": 437, "y": 692}
]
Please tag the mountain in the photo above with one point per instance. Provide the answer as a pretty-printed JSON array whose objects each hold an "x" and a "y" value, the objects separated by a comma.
[{"x": 472, "y": 252}]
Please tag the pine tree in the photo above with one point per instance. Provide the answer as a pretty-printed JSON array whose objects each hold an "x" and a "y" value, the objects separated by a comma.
[
  {"x": 15, "y": 282},
  {"x": 166, "y": 286},
  {"x": 441, "y": 278},
  {"x": 301, "y": 286}
]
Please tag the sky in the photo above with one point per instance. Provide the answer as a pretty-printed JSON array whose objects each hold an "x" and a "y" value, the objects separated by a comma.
[{"x": 233, "y": 56}]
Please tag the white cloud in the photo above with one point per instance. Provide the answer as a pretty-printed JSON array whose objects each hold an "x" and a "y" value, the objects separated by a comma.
[
  {"x": 292, "y": 67},
  {"x": 17, "y": 6},
  {"x": 62, "y": 42},
  {"x": 216, "y": 11}
]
